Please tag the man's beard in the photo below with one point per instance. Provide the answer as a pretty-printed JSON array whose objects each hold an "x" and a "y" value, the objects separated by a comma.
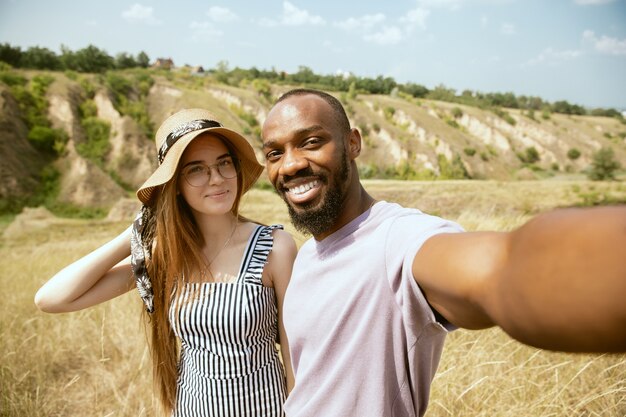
[{"x": 320, "y": 220}]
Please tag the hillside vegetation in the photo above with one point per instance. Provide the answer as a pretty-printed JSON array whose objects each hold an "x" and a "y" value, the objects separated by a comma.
[{"x": 79, "y": 142}]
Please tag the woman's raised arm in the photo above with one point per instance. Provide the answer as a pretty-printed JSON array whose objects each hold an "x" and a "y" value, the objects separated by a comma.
[{"x": 99, "y": 276}]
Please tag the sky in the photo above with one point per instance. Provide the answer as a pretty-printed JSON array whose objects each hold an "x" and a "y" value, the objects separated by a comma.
[{"x": 572, "y": 50}]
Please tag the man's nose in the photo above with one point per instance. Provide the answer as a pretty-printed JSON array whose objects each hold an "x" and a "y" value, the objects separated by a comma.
[{"x": 292, "y": 163}]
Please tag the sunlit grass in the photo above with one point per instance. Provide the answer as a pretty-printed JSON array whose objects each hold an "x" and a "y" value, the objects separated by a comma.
[{"x": 95, "y": 362}]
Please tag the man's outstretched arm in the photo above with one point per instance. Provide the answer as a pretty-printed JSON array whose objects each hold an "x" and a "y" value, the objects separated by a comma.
[{"x": 558, "y": 282}]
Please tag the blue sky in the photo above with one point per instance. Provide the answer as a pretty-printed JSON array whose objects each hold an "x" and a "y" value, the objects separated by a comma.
[{"x": 572, "y": 50}]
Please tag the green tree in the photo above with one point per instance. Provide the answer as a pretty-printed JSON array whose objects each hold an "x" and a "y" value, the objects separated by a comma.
[
  {"x": 89, "y": 59},
  {"x": 441, "y": 92},
  {"x": 143, "y": 60},
  {"x": 416, "y": 90},
  {"x": 124, "y": 60},
  {"x": 603, "y": 165},
  {"x": 12, "y": 55},
  {"x": 40, "y": 58}
]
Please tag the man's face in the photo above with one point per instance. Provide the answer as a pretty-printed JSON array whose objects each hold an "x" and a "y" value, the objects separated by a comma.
[{"x": 307, "y": 162}]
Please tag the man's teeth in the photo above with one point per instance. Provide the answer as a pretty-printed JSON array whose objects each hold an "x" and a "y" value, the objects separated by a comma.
[{"x": 301, "y": 189}]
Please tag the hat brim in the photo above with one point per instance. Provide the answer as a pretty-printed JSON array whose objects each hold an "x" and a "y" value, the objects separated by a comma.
[{"x": 250, "y": 167}]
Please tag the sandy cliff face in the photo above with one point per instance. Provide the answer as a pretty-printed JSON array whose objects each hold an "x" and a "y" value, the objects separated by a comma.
[
  {"x": 83, "y": 183},
  {"x": 132, "y": 155}
]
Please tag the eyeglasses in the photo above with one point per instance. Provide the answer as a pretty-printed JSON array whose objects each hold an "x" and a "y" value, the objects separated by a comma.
[{"x": 199, "y": 174}]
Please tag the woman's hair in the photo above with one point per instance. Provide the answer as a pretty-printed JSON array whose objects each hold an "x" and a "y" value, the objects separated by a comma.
[{"x": 176, "y": 254}]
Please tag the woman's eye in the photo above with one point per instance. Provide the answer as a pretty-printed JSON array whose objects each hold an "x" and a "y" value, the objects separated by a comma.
[
  {"x": 225, "y": 163},
  {"x": 194, "y": 170}
]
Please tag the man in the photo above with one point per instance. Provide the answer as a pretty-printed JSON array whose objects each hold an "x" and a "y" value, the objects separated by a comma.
[{"x": 375, "y": 291}]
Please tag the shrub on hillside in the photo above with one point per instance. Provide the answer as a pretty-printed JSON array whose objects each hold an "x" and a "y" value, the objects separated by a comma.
[
  {"x": 47, "y": 139},
  {"x": 87, "y": 109},
  {"x": 96, "y": 145},
  {"x": 451, "y": 170},
  {"x": 505, "y": 116},
  {"x": 573, "y": 154},
  {"x": 529, "y": 156},
  {"x": 603, "y": 165},
  {"x": 11, "y": 79},
  {"x": 469, "y": 151}
]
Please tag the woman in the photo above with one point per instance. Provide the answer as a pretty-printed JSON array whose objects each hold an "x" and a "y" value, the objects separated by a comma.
[{"x": 211, "y": 278}]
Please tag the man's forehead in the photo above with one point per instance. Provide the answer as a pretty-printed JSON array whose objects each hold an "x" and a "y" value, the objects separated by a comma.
[{"x": 307, "y": 107}]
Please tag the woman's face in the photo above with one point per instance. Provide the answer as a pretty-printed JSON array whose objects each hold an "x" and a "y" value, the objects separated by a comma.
[{"x": 208, "y": 179}]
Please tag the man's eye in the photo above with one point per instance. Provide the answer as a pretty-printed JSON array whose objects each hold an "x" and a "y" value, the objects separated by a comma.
[
  {"x": 272, "y": 155},
  {"x": 312, "y": 142}
]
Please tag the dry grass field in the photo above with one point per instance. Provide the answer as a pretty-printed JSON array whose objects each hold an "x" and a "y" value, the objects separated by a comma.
[{"x": 95, "y": 362}]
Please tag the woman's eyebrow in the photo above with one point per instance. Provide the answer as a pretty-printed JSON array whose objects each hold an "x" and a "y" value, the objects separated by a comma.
[{"x": 199, "y": 161}]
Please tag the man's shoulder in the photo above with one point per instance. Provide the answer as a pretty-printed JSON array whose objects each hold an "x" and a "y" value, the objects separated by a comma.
[{"x": 410, "y": 223}]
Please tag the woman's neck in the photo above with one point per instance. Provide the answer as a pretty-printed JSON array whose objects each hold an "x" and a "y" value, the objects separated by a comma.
[{"x": 216, "y": 229}]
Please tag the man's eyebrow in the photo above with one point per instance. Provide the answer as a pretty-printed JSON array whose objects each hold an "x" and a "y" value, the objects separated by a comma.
[{"x": 297, "y": 133}]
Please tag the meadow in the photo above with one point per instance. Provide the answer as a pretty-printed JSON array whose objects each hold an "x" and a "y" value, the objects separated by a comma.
[{"x": 95, "y": 362}]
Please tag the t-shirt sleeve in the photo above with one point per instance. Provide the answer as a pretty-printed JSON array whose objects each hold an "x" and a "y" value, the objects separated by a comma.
[{"x": 406, "y": 236}]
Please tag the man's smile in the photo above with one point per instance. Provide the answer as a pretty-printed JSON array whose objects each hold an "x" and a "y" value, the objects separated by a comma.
[{"x": 299, "y": 192}]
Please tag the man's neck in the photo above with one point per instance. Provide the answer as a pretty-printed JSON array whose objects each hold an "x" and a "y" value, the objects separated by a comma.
[{"x": 357, "y": 202}]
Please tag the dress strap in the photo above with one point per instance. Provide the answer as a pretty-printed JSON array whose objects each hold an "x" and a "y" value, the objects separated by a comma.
[{"x": 256, "y": 253}]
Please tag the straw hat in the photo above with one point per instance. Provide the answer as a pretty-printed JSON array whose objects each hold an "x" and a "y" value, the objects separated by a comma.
[{"x": 177, "y": 131}]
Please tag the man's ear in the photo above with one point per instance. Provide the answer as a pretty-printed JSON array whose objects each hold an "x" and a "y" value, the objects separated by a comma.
[{"x": 354, "y": 144}]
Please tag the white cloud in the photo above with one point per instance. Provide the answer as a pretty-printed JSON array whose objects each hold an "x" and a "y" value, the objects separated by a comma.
[
  {"x": 550, "y": 56},
  {"x": 362, "y": 23},
  {"x": 204, "y": 32},
  {"x": 592, "y": 2},
  {"x": 221, "y": 14},
  {"x": 484, "y": 21},
  {"x": 388, "y": 36},
  {"x": 605, "y": 44},
  {"x": 507, "y": 29},
  {"x": 140, "y": 14},
  {"x": 372, "y": 30},
  {"x": 416, "y": 18},
  {"x": 292, "y": 16}
]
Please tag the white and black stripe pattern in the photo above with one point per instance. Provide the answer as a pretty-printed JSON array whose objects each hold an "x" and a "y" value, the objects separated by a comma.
[{"x": 229, "y": 363}]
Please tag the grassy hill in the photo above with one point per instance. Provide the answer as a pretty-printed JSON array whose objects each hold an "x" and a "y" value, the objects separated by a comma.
[{"x": 77, "y": 143}]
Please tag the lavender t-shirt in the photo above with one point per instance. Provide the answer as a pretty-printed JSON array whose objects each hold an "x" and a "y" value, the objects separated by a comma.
[{"x": 363, "y": 339}]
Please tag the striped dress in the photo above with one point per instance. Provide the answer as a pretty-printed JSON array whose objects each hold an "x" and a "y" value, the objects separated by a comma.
[{"x": 229, "y": 363}]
